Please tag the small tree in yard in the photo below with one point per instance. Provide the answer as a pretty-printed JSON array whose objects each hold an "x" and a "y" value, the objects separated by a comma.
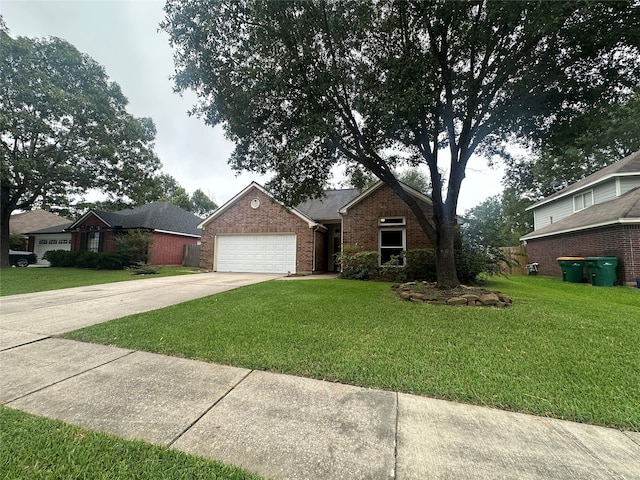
[
  {"x": 301, "y": 86},
  {"x": 135, "y": 245}
]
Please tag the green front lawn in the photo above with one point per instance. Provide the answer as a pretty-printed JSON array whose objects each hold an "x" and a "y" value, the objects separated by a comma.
[
  {"x": 27, "y": 280},
  {"x": 36, "y": 448},
  {"x": 565, "y": 350}
]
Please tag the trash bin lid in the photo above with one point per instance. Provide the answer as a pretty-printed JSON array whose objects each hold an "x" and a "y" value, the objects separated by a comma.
[{"x": 569, "y": 258}]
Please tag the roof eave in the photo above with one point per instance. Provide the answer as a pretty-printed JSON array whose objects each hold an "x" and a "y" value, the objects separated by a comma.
[
  {"x": 412, "y": 191},
  {"x": 617, "y": 221},
  {"x": 84, "y": 217},
  {"x": 182, "y": 234}
]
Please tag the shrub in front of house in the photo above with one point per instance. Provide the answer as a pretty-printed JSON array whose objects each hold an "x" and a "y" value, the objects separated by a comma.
[
  {"x": 135, "y": 245},
  {"x": 357, "y": 264},
  {"x": 94, "y": 260},
  {"x": 420, "y": 264}
]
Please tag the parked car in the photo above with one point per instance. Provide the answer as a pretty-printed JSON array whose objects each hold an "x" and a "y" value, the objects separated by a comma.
[{"x": 21, "y": 259}]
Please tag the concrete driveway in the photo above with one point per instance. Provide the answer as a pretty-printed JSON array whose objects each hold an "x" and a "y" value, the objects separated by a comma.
[{"x": 33, "y": 316}]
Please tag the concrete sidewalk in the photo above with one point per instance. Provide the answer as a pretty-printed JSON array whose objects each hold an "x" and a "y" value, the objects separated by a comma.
[{"x": 288, "y": 427}]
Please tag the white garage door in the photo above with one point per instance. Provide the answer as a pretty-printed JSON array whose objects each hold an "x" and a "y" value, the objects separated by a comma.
[
  {"x": 44, "y": 243},
  {"x": 269, "y": 253}
]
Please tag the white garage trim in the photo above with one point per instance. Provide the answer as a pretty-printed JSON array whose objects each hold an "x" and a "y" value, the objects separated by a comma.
[{"x": 255, "y": 253}]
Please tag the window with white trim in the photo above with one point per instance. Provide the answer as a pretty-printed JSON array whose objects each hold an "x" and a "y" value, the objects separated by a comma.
[
  {"x": 391, "y": 221},
  {"x": 392, "y": 243},
  {"x": 582, "y": 201},
  {"x": 93, "y": 242}
]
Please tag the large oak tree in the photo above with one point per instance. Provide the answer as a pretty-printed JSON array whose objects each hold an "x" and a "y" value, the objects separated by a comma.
[
  {"x": 301, "y": 86},
  {"x": 64, "y": 129}
]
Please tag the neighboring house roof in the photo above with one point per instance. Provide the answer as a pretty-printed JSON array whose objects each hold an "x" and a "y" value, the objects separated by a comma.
[
  {"x": 327, "y": 208},
  {"x": 310, "y": 221},
  {"x": 34, "y": 220},
  {"x": 159, "y": 216},
  {"x": 57, "y": 229},
  {"x": 624, "y": 209},
  {"x": 629, "y": 165}
]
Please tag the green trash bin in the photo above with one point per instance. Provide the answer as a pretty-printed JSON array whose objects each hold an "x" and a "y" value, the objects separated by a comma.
[
  {"x": 602, "y": 271},
  {"x": 572, "y": 268}
]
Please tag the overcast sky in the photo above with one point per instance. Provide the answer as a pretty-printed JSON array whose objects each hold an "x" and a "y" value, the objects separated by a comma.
[{"x": 123, "y": 36}]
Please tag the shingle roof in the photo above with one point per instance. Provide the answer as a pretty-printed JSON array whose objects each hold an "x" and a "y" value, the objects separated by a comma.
[
  {"x": 627, "y": 166},
  {"x": 155, "y": 216},
  {"x": 622, "y": 209},
  {"x": 326, "y": 208},
  {"x": 34, "y": 220},
  {"x": 56, "y": 229}
]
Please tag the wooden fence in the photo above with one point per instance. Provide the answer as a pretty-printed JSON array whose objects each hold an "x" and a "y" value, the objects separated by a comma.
[
  {"x": 518, "y": 257},
  {"x": 191, "y": 256}
]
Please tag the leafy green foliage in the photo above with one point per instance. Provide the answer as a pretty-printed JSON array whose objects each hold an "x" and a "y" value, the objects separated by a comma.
[
  {"x": 499, "y": 221},
  {"x": 201, "y": 204},
  {"x": 135, "y": 246},
  {"x": 301, "y": 86},
  {"x": 357, "y": 264},
  {"x": 17, "y": 241},
  {"x": 420, "y": 264},
  {"x": 81, "y": 259},
  {"x": 64, "y": 128},
  {"x": 577, "y": 148}
]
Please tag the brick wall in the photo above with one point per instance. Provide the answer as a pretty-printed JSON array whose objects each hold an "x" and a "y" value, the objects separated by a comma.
[
  {"x": 269, "y": 217},
  {"x": 93, "y": 224},
  {"x": 360, "y": 225},
  {"x": 622, "y": 241},
  {"x": 167, "y": 249}
]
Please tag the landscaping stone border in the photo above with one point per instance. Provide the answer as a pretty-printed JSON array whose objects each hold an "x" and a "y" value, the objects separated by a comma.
[{"x": 425, "y": 292}]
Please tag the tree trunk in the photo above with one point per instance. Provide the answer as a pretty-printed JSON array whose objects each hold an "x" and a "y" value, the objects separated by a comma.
[
  {"x": 5, "y": 214},
  {"x": 446, "y": 274}
]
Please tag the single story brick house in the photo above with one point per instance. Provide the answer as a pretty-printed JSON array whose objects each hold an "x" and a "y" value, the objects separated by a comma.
[
  {"x": 253, "y": 232},
  {"x": 171, "y": 228},
  {"x": 598, "y": 216}
]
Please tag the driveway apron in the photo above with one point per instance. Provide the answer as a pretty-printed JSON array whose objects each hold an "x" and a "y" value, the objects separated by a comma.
[{"x": 39, "y": 314}]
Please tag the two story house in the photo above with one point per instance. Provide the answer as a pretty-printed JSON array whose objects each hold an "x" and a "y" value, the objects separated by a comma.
[{"x": 598, "y": 216}]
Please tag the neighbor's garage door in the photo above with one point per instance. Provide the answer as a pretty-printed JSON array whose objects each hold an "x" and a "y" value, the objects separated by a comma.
[
  {"x": 269, "y": 253},
  {"x": 43, "y": 243}
]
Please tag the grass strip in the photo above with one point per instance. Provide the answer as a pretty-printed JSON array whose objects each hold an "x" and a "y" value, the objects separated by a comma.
[
  {"x": 564, "y": 350},
  {"x": 28, "y": 280},
  {"x": 36, "y": 448}
]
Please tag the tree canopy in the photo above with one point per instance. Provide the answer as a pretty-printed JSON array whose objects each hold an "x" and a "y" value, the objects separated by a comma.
[
  {"x": 576, "y": 149},
  {"x": 64, "y": 128},
  {"x": 499, "y": 221},
  {"x": 301, "y": 86}
]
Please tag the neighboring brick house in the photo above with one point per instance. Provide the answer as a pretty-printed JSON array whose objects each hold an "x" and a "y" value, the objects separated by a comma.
[
  {"x": 599, "y": 216},
  {"x": 171, "y": 229},
  {"x": 253, "y": 232},
  {"x": 42, "y": 231}
]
